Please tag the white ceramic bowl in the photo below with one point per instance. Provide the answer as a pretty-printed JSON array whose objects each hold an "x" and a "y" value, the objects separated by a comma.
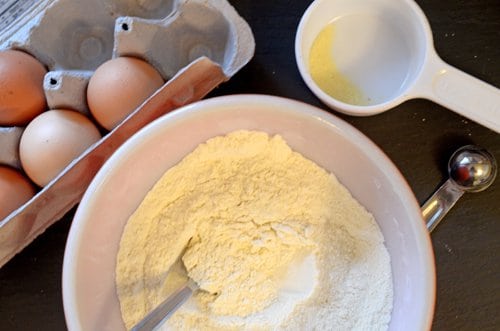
[{"x": 90, "y": 300}]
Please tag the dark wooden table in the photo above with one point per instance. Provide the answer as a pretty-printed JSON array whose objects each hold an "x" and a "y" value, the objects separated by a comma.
[{"x": 419, "y": 136}]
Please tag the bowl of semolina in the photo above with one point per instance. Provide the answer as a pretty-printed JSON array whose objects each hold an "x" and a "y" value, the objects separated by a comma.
[{"x": 284, "y": 215}]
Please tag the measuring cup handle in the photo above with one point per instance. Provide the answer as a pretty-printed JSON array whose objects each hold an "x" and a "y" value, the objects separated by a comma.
[{"x": 461, "y": 92}]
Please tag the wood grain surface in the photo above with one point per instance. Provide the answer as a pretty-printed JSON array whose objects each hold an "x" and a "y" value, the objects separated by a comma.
[{"x": 418, "y": 136}]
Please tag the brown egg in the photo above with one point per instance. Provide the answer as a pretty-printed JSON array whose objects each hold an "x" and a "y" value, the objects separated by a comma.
[
  {"x": 52, "y": 140},
  {"x": 118, "y": 86},
  {"x": 21, "y": 88},
  {"x": 15, "y": 190}
]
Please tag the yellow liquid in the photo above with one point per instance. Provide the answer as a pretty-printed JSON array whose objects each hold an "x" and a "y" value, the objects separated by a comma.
[{"x": 325, "y": 73}]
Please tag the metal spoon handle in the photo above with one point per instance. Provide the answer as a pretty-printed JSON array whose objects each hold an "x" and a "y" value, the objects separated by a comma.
[
  {"x": 162, "y": 312},
  {"x": 436, "y": 207}
]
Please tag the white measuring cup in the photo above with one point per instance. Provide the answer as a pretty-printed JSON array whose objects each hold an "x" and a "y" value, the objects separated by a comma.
[{"x": 385, "y": 48}]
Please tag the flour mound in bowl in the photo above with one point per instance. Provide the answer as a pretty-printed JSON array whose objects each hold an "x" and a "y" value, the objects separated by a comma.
[{"x": 273, "y": 240}]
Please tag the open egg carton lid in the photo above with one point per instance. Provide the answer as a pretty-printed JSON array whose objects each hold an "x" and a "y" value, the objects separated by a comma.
[{"x": 194, "y": 44}]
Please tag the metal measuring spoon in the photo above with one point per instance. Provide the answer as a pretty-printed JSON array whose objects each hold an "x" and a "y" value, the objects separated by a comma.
[{"x": 470, "y": 169}]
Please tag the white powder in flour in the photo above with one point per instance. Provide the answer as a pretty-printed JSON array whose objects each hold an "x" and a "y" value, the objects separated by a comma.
[{"x": 273, "y": 240}]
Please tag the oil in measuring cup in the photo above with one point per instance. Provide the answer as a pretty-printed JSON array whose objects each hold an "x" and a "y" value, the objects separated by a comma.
[{"x": 360, "y": 59}]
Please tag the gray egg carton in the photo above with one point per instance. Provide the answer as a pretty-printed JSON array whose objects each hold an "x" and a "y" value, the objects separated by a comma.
[
  {"x": 72, "y": 38},
  {"x": 194, "y": 44}
]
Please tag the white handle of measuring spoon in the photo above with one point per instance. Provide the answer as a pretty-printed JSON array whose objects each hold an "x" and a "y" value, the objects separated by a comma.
[{"x": 460, "y": 92}]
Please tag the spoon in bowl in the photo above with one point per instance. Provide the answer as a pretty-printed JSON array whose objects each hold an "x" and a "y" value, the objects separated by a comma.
[
  {"x": 167, "y": 308},
  {"x": 155, "y": 318},
  {"x": 470, "y": 169}
]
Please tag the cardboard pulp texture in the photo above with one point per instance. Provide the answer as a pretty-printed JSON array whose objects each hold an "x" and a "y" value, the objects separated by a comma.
[{"x": 194, "y": 44}]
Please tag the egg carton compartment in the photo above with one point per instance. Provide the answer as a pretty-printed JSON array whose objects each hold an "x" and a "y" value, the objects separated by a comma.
[
  {"x": 78, "y": 35},
  {"x": 66, "y": 90},
  {"x": 9, "y": 144},
  {"x": 195, "y": 45},
  {"x": 195, "y": 28}
]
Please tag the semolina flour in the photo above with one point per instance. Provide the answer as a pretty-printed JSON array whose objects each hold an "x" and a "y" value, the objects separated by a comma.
[{"x": 273, "y": 240}]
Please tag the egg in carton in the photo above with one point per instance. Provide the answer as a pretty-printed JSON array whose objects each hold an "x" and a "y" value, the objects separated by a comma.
[{"x": 195, "y": 45}]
